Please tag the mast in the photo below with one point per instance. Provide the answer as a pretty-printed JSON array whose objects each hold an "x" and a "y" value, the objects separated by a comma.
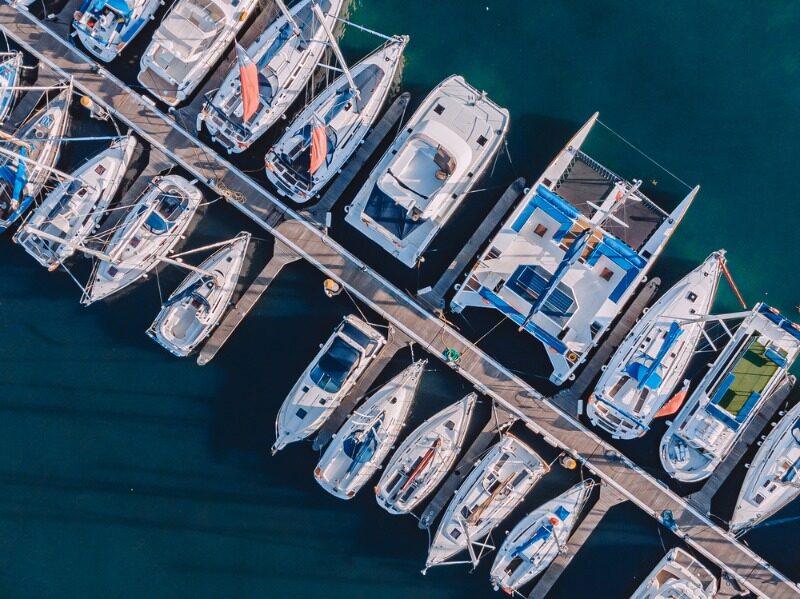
[
  {"x": 335, "y": 47},
  {"x": 289, "y": 17}
]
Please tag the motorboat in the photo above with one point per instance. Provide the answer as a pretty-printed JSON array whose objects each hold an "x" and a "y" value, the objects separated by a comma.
[
  {"x": 106, "y": 27},
  {"x": 678, "y": 575}
]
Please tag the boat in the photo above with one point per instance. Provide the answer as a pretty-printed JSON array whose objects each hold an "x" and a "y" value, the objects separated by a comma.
[
  {"x": 425, "y": 457},
  {"x": 364, "y": 440},
  {"x": 189, "y": 315},
  {"x": 648, "y": 366},
  {"x": 105, "y": 27},
  {"x": 429, "y": 169},
  {"x": 752, "y": 366},
  {"x": 188, "y": 43},
  {"x": 773, "y": 478},
  {"x": 537, "y": 540},
  {"x": 75, "y": 208},
  {"x": 497, "y": 484},
  {"x": 10, "y": 68},
  {"x": 678, "y": 575},
  {"x": 571, "y": 255},
  {"x": 325, "y": 134},
  {"x": 285, "y": 57},
  {"x": 150, "y": 229},
  {"x": 341, "y": 360},
  {"x": 24, "y": 172}
]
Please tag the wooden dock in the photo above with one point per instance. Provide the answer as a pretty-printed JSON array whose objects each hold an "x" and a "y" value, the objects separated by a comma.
[{"x": 434, "y": 295}]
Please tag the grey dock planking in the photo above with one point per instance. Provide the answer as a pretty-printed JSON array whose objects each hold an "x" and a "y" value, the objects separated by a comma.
[
  {"x": 488, "y": 376},
  {"x": 435, "y": 295},
  {"x": 608, "y": 498}
]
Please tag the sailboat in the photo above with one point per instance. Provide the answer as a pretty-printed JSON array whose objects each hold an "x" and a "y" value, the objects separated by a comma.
[
  {"x": 105, "y": 27},
  {"x": 188, "y": 43},
  {"x": 364, "y": 440},
  {"x": 341, "y": 360},
  {"x": 10, "y": 66},
  {"x": 497, "y": 484},
  {"x": 429, "y": 169},
  {"x": 38, "y": 141},
  {"x": 150, "y": 229},
  {"x": 424, "y": 458},
  {"x": 648, "y": 365},
  {"x": 189, "y": 315},
  {"x": 327, "y": 132},
  {"x": 75, "y": 208},
  {"x": 283, "y": 59},
  {"x": 678, "y": 574},
  {"x": 535, "y": 542}
]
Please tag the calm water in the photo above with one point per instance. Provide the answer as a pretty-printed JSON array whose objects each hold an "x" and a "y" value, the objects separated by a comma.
[{"x": 127, "y": 472}]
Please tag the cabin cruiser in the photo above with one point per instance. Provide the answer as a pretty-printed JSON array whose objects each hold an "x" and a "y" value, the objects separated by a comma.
[
  {"x": 773, "y": 479},
  {"x": 571, "y": 255},
  {"x": 327, "y": 132},
  {"x": 197, "y": 305},
  {"x": 332, "y": 373},
  {"x": 75, "y": 208},
  {"x": 285, "y": 57},
  {"x": 537, "y": 540},
  {"x": 429, "y": 169},
  {"x": 424, "y": 458},
  {"x": 105, "y": 27},
  {"x": 648, "y": 365},
  {"x": 10, "y": 67},
  {"x": 151, "y": 228},
  {"x": 751, "y": 367},
  {"x": 188, "y": 43},
  {"x": 497, "y": 484},
  {"x": 38, "y": 145},
  {"x": 364, "y": 440},
  {"x": 678, "y": 575}
]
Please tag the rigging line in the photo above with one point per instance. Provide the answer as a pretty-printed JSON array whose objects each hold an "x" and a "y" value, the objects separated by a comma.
[
  {"x": 158, "y": 283},
  {"x": 659, "y": 165},
  {"x": 72, "y": 276}
]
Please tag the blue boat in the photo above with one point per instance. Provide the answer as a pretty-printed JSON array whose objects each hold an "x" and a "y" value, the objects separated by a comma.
[{"x": 105, "y": 27}]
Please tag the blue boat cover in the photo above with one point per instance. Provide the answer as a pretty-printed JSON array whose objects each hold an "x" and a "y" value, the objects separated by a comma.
[
  {"x": 554, "y": 206},
  {"x": 542, "y": 534},
  {"x": 649, "y": 377},
  {"x": 561, "y": 512}
]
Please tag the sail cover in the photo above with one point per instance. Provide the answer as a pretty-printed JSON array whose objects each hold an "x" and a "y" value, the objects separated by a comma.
[
  {"x": 319, "y": 147},
  {"x": 248, "y": 75}
]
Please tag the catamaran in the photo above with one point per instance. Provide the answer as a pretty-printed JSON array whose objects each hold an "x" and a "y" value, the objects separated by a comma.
[
  {"x": 751, "y": 367},
  {"x": 498, "y": 483},
  {"x": 429, "y": 169},
  {"x": 270, "y": 75},
  {"x": 424, "y": 458},
  {"x": 327, "y": 132},
  {"x": 10, "y": 67},
  {"x": 152, "y": 227},
  {"x": 105, "y": 27},
  {"x": 193, "y": 310},
  {"x": 648, "y": 365},
  {"x": 38, "y": 141},
  {"x": 75, "y": 208},
  {"x": 773, "y": 479},
  {"x": 329, "y": 377},
  {"x": 571, "y": 255},
  {"x": 188, "y": 43},
  {"x": 678, "y": 574},
  {"x": 368, "y": 435},
  {"x": 535, "y": 542}
]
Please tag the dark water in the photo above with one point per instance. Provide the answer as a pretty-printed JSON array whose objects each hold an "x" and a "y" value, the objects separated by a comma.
[{"x": 128, "y": 472}]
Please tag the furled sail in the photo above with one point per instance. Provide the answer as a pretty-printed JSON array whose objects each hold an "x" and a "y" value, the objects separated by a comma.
[{"x": 248, "y": 75}]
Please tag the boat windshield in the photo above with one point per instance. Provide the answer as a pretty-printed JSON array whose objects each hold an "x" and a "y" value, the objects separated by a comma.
[
  {"x": 156, "y": 223},
  {"x": 335, "y": 365}
]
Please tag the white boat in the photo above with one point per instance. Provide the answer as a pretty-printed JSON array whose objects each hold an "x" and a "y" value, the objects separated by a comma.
[
  {"x": 678, "y": 576},
  {"x": 364, "y": 440},
  {"x": 285, "y": 58},
  {"x": 38, "y": 144},
  {"x": 332, "y": 373},
  {"x": 773, "y": 479},
  {"x": 571, "y": 255},
  {"x": 197, "y": 305},
  {"x": 333, "y": 125},
  {"x": 10, "y": 66},
  {"x": 537, "y": 540},
  {"x": 75, "y": 208},
  {"x": 497, "y": 484},
  {"x": 649, "y": 364},
  {"x": 188, "y": 43},
  {"x": 429, "y": 169},
  {"x": 105, "y": 27},
  {"x": 150, "y": 229},
  {"x": 749, "y": 369}
]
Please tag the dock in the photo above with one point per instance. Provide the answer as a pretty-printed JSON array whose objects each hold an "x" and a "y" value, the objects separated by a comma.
[
  {"x": 558, "y": 427},
  {"x": 434, "y": 295}
]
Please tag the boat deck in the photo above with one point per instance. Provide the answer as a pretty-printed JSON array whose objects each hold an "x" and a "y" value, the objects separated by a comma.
[{"x": 752, "y": 372}]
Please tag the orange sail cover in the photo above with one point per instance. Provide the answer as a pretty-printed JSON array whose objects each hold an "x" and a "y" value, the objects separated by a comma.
[
  {"x": 673, "y": 405},
  {"x": 248, "y": 75},
  {"x": 319, "y": 148}
]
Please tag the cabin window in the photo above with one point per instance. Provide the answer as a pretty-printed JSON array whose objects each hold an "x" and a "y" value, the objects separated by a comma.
[
  {"x": 482, "y": 141},
  {"x": 455, "y": 533},
  {"x": 691, "y": 296},
  {"x": 606, "y": 274},
  {"x": 305, "y": 388},
  {"x": 100, "y": 169},
  {"x": 301, "y": 413},
  {"x": 465, "y": 511},
  {"x": 520, "y": 477},
  {"x": 439, "y": 109},
  {"x": 540, "y": 230},
  {"x": 112, "y": 271},
  {"x": 449, "y": 425},
  {"x": 135, "y": 241}
]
